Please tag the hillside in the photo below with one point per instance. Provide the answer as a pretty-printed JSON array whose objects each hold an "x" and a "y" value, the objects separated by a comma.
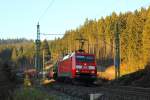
[
  {"x": 134, "y": 39},
  {"x": 138, "y": 79}
]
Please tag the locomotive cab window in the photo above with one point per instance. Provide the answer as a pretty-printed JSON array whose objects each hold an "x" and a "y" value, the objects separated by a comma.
[
  {"x": 90, "y": 58},
  {"x": 80, "y": 58},
  {"x": 85, "y": 58}
]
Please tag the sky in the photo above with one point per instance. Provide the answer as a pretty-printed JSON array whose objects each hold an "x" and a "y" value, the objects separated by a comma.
[{"x": 18, "y": 18}]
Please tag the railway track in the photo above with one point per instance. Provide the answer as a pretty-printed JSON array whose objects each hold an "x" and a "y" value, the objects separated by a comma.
[
  {"x": 58, "y": 94},
  {"x": 102, "y": 93},
  {"x": 131, "y": 89}
]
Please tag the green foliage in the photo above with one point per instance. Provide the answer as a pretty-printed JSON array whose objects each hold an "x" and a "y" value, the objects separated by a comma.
[
  {"x": 46, "y": 51},
  {"x": 31, "y": 94},
  {"x": 5, "y": 54},
  {"x": 19, "y": 51}
]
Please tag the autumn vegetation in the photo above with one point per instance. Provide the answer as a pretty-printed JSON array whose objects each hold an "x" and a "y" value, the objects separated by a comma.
[{"x": 134, "y": 29}]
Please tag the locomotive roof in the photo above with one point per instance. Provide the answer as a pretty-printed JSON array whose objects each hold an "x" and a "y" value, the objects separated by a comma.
[
  {"x": 69, "y": 55},
  {"x": 83, "y": 53},
  {"x": 75, "y": 53}
]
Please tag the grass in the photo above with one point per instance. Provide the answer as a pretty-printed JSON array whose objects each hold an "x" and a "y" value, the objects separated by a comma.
[
  {"x": 30, "y": 93},
  {"x": 109, "y": 73}
]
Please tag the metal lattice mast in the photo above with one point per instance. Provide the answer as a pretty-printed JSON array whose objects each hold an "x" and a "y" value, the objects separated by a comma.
[
  {"x": 37, "y": 51},
  {"x": 117, "y": 52}
]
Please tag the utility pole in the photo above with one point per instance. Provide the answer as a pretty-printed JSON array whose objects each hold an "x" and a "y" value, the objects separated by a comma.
[
  {"x": 88, "y": 47},
  {"x": 37, "y": 51},
  {"x": 117, "y": 52},
  {"x": 43, "y": 71}
]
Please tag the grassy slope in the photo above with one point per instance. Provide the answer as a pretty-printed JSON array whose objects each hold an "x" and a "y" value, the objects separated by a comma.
[
  {"x": 29, "y": 93},
  {"x": 139, "y": 78}
]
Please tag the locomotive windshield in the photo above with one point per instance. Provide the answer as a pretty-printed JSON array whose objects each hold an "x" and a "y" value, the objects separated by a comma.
[{"x": 85, "y": 58}]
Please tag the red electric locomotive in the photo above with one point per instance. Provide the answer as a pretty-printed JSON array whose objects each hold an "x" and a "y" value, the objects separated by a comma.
[{"x": 78, "y": 65}]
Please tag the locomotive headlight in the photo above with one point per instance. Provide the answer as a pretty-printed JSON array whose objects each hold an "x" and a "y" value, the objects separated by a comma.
[
  {"x": 78, "y": 66},
  {"x": 91, "y": 67}
]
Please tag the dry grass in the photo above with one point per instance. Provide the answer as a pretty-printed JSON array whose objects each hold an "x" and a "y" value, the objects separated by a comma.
[{"x": 109, "y": 73}]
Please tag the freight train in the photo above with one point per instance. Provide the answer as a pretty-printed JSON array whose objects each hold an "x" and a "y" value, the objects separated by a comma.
[{"x": 76, "y": 66}]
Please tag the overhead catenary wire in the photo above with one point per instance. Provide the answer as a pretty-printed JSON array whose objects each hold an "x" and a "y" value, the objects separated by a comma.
[
  {"x": 43, "y": 34},
  {"x": 51, "y": 34},
  {"x": 46, "y": 10}
]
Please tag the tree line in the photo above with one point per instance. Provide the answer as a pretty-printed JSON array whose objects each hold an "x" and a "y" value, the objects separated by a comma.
[
  {"x": 22, "y": 53},
  {"x": 134, "y": 30}
]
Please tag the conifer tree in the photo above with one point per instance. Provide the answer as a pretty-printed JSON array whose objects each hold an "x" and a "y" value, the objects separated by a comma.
[
  {"x": 14, "y": 55},
  {"x": 45, "y": 48},
  {"x": 146, "y": 40}
]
